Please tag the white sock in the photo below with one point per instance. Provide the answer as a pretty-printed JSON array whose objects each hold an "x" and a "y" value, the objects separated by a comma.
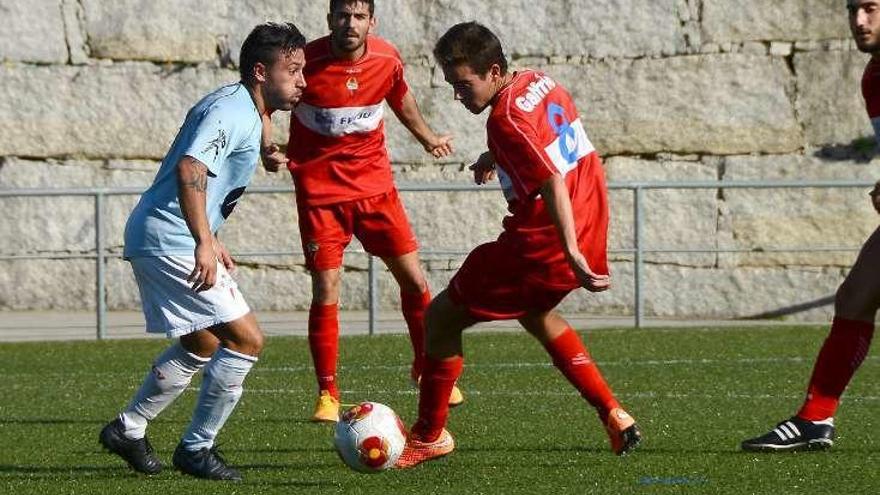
[
  {"x": 221, "y": 389},
  {"x": 170, "y": 375}
]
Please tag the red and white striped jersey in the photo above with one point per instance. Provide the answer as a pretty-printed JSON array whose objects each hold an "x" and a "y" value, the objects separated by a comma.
[
  {"x": 534, "y": 132},
  {"x": 337, "y": 133}
]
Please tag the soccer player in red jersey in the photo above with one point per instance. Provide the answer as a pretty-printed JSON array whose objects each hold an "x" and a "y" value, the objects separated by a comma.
[
  {"x": 554, "y": 239},
  {"x": 343, "y": 179},
  {"x": 857, "y": 299}
]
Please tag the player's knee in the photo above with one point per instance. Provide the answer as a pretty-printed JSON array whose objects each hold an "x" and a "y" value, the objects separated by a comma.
[
  {"x": 325, "y": 287},
  {"x": 416, "y": 284},
  {"x": 201, "y": 343},
  {"x": 255, "y": 342},
  {"x": 249, "y": 342}
]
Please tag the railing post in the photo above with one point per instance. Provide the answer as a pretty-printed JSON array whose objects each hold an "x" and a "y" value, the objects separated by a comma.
[
  {"x": 373, "y": 293},
  {"x": 100, "y": 269},
  {"x": 638, "y": 262}
]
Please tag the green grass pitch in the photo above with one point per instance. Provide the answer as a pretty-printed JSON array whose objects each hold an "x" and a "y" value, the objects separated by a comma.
[{"x": 696, "y": 392}]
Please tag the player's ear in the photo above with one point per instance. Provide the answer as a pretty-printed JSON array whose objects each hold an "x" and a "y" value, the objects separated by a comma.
[
  {"x": 261, "y": 72},
  {"x": 495, "y": 72},
  {"x": 373, "y": 22}
]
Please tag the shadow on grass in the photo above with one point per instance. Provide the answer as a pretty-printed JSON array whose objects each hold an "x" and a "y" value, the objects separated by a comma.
[
  {"x": 50, "y": 421},
  {"x": 649, "y": 450},
  {"x": 12, "y": 471},
  {"x": 643, "y": 450},
  {"x": 91, "y": 472},
  {"x": 280, "y": 450},
  {"x": 293, "y": 483}
]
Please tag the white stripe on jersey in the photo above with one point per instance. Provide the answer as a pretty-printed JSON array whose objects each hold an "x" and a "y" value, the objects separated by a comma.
[
  {"x": 506, "y": 184},
  {"x": 335, "y": 122},
  {"x": 572, "y": 145}
]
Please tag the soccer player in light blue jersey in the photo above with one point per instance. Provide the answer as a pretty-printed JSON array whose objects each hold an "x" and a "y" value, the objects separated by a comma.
[{"x": 182, "y": 269}]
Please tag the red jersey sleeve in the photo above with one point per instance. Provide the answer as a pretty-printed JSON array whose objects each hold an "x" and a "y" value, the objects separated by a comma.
[
  {"x": 399, "y": 87},
  {"x": 518, "y": 151}
]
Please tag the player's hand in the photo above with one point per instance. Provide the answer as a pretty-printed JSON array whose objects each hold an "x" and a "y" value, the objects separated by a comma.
[
  {"x": 589, "y": 280},
  {"x": 440, "y": 146},
  {"x": 204, "y": 274},
  {"x": 273, "y": 158},
  {"x": 484, "y": 168},
  {"x": 875, "y": 196},
  {"x": 223, "y": 255}
]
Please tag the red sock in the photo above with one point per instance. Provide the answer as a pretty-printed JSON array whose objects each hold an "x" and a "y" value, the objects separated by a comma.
[
  {"x": 438, "y": 377},
  {"x": 324, "y": 344},
  {"x": 414, "y": 307},
  {"x": 840, "y": 357},
  {"x": 573, "y": 360}
]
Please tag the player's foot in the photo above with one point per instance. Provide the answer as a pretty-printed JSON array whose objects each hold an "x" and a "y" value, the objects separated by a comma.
[
  {"x": 623, "y": 432},
  {"x": 138, "y": 454},
  {"x": 456, "y": 398},
  {"x": 792, "y": 435},
  {"x": 416, "y": 452},
  {"x": 205, "y": 463},
  {"x": 326, "y": 408}
]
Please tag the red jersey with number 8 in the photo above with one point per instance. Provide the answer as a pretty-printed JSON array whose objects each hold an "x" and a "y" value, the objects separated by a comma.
[{"x": 534, "y": 132}]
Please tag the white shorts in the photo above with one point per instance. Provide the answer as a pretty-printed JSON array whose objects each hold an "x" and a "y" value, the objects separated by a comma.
[{"x": 170, "y": 304}]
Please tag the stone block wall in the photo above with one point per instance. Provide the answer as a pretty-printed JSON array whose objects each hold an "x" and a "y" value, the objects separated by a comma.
[{"x": 93, "y": 91}]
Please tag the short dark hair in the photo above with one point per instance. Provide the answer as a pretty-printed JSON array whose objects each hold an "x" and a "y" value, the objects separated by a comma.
[
  {"x": 472, "y": 44},
  {"x": 264, "y": 44},
  {"x": 337, "y": 3}
]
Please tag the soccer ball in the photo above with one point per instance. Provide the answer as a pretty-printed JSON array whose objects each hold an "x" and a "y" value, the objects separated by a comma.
[{"x": 369, "y": 437}]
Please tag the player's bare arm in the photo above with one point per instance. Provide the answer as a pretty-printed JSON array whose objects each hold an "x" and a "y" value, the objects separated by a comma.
[
  {"x": 192, "y": 177},
  {"x": 438, "y": 145},
  {"x": 272, "y": 156},
  {"x": 555, "y": 195},
  {"x": 484, "y": 168}
]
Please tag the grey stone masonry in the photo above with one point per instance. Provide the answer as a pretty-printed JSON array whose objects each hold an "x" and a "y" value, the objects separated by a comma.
[
  {"x": 33, "y": 31},
  {"x": 92, "y": 92},
  {"x": 777, "y": 20}
]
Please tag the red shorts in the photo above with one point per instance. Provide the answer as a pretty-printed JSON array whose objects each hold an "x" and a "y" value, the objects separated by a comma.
[
  {"x": 379, "y": 222},
  {"x": 495, "y": 284}
]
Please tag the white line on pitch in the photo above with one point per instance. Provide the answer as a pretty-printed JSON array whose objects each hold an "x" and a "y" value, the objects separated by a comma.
[
  {"x": 540, "y": 393},
  {"x": 648, "y": 362}
]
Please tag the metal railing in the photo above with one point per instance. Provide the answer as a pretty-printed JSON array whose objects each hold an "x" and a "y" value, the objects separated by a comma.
[{"x": 638, "y": 250}]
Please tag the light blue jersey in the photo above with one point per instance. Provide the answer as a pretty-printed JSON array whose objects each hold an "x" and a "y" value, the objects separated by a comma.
[{"x": 223, "y": 132}]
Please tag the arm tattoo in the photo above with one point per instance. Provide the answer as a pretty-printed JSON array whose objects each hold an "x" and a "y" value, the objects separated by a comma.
[{"x": 197, "y": 178}]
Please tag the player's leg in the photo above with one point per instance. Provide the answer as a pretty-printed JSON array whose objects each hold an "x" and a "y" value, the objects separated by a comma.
[
  {"x": 444, "y": 361},
  {"x": 171, "y": 307},
  {"x": 323, "y": 332},
  {"x": 170, "y": 374},
  {"x": 415, "y": 297},
  {"x": 222, "y": 386},
  {"x": 855, "y": 309},
  {"x": 325, "y": 232},
  {"x": 414, "y": 300},
  {"x": 574, "y": 361},
  {"x": 383, "y": 228}
]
